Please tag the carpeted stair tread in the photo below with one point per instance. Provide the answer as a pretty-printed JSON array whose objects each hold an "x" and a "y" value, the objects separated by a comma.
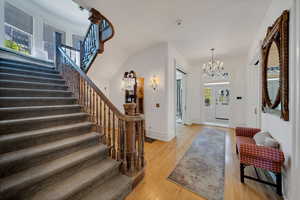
[
  {"x": 36, "y": 111},
  {"x": 26, "y": 178},
  {"x": 11, "y": 76},
  {"x": 28, "y": 98},
  {"x": 12, "y": 158},
  {"x": 35, "y": 101},
  {"x": 33, "y": 85},
  {"x": 30, "y": 108},
  {"x": 11, "y": 70},
  {"x": 40, "y": 132},
  {"x": 34, "y": 77},
  {"x": 23, "y": 92},
  {"x": 48, "y": 147},
  {"x": 79, "y": 181},
  {"x": 40, "y": 119},
  {"x": 28, "y": 66},
  {"x": 108, "y": 190}
]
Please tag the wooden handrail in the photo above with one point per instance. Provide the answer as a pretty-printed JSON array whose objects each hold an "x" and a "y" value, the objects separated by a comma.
[
  {"x": 93, "y": 43},
  {"x": 123, "y": 134},
  {"x": 98, "y": 91},
  {"x": 112, "y": 28},
  {"x": 71, "y": 48}
]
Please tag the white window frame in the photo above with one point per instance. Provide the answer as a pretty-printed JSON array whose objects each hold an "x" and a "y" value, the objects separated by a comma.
[{"x": 13, "y": 27}]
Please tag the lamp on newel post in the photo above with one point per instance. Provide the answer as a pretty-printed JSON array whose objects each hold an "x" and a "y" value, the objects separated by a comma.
[{"x": 129, "y": 85}]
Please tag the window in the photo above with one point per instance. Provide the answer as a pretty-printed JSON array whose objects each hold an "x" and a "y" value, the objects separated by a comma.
[
  {"x": 76, "y": 39},
  {"x": 18, "y": 29},
  {"x": 48, "y": 37}
]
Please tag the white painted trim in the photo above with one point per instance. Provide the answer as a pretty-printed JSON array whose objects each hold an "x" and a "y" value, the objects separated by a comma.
[
  {"x": 217, "y": 83},
  {"x": 212, "y": 84},
  {"x": 1, "y": 23},
  {"x": 295, "y": 100},
  {"x": 215, "y": 124},
  {"x": 158, "y": 135},
  {"x": 185, "y": 88},
  {"x": 41, "y": 17}
]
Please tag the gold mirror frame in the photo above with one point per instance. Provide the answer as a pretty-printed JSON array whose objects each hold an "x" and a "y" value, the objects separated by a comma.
[{"x": 278, "y": 33}]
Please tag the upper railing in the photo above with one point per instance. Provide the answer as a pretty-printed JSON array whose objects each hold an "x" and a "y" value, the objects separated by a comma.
[
  {"x": 99, "y": 31},
  {"x": 122, "y": 133}
]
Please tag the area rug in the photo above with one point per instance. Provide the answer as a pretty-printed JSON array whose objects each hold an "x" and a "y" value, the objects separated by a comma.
[{"x": 201, "y": 170}]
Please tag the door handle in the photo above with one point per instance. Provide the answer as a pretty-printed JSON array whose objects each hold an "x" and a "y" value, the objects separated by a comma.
[{"x": 255, "y": 111}]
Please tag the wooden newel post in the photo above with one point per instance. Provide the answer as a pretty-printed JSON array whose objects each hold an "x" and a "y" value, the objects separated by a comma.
[{"x": 130, "y": 137}]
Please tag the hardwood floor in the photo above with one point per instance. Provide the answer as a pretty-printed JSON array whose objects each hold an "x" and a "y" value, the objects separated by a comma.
[{"x": 162, "y": 158}]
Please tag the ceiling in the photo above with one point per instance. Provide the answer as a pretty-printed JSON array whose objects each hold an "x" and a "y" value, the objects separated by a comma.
[
  {"x": 65, "y": 9},
  {"x": 227, "y": 25}
]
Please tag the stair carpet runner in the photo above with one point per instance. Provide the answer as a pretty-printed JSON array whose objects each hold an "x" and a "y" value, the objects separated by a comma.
[{"x": 48, "y": 149}]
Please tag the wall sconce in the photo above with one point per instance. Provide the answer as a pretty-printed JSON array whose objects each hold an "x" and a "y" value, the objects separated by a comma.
[{"x": 154, "y": 81}]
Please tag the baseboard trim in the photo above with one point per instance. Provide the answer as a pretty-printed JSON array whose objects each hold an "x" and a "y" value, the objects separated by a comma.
[
  {"x": 158, "y": 135},
  {"x": 215, "y": 124}
]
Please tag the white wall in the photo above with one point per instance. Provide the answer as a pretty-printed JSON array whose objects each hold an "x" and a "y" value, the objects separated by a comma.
[
  {"x": 148, "y": 62},
  {"x": 158, "y": 60},
  {"x": 235, "y": 65},
  {"x": 281, "y": 130},
  {"x": 175, "y": 60},
  {"x": 41, "y": 16}
]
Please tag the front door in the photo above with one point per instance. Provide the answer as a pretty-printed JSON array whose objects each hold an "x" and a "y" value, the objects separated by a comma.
[
  {"x": 222, "y": 95},
  {"x": 217, "y": 103}
]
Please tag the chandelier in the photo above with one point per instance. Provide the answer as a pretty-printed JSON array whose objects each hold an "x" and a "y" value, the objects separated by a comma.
[{"x": 214, "y": 68}]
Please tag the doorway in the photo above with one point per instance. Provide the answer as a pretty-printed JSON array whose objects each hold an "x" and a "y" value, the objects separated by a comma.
[
  {"x": 217, "y": 103},
  {"x": 180, "y": 96},
  {"x": 254, "y": 111}
]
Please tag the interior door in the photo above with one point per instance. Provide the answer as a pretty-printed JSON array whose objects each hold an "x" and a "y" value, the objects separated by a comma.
[{"x": 179, "y": 100}]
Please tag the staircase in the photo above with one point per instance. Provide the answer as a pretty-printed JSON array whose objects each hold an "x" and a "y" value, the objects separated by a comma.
[{"x": 49, "y": 146}]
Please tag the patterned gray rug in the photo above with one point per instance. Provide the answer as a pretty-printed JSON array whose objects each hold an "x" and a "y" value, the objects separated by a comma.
[{"x": 201, "y": 170}]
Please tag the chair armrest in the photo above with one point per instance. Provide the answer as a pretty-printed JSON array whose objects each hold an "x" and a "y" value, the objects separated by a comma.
[
  {"x": 261, "y": 152},
  {"x": 246, "y": 132}
]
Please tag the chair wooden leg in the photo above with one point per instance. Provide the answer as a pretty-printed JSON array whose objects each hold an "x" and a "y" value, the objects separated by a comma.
[
  {"x": 242, "y": 172},
  {"x": 279, "y": 184}
]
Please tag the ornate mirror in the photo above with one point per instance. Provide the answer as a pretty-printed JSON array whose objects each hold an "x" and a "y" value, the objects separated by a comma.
[
  {"x": 273, "y": 75},
  {"x": 275, "y": 68}
]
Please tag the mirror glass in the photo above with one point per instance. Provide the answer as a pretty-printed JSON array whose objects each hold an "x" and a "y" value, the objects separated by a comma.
[{"x": 273, "y": 72}]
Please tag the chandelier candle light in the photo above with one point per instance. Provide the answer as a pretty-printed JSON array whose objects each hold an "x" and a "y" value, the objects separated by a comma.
[{"x": 214, "y": 68}]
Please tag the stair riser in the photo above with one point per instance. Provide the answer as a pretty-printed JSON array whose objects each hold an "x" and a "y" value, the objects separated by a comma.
[
  {"x": 39, "y": 124},
  {"x": 124, "y": 188},
  {"x": 35, "y": 102},
  {"x": 123, "y": 194},
  {"x": 32, "y": 86},
  {"x": 5, "y": 115},
  {"x": 28, "y": 67},
  {"x": 62, "y": 175},
  {"x": 28, "y": 93},
  {"x": 30, "y": 79},
  {"x": 9, "y": 168},
  {"x": 97, "y": 183},
  {"x": 14, "y": 145},
  {"x": 29, "y": 73}
]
